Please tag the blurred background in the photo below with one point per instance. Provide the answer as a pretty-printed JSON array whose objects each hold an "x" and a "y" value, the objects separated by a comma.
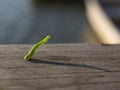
[{"x": 67, "y": 21}]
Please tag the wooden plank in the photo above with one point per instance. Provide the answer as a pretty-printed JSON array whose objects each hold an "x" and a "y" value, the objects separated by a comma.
[{"x": 60, "y": 67}]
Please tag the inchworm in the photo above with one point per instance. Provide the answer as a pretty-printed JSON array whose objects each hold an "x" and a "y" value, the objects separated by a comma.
[{"x": 31, "y": 52}]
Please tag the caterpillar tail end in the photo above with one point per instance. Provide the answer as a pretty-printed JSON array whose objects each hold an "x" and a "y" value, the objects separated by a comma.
[{"x": 27, "y": 57}]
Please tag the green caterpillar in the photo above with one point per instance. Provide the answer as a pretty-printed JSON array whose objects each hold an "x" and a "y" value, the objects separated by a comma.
[{"x": 31, "y": 52}]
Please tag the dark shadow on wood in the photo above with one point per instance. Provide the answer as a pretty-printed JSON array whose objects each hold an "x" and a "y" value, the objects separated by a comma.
[
  {"x": 110, "y": 44},
  {"x": 67, "y": 64}
]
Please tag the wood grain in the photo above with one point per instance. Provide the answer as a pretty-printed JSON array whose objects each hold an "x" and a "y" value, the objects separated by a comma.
[{"x": 60, "y": 67}]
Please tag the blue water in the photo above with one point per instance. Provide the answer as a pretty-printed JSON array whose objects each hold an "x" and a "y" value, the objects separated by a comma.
[{"x": 21, "y": 22}]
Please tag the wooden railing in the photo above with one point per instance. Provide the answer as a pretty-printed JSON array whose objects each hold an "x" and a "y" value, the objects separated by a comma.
[{"x": 60, "y": 67}]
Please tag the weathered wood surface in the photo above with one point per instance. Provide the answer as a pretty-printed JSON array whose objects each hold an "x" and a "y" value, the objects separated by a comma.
[{"x": 60, "y": 67}]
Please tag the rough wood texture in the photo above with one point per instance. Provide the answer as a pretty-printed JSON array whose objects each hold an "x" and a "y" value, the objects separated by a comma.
[{"x": 60, "y": 67}]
